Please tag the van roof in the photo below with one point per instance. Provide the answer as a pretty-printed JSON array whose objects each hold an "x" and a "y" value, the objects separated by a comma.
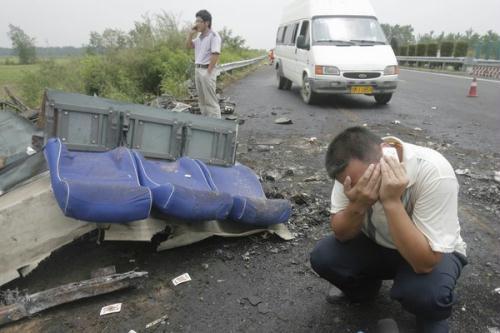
[{"x": 302, "y": 9}]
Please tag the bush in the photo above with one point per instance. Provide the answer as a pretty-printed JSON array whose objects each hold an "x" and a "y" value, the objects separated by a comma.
[
  {"x": 461, "y": 49},
  {"x": 395, "y": 45},
  {"x": 432, "y": 50},
  {"x": 64, "y": 76},
  {"x": 403, "y": 50},
  {"x": 421, "y": 49},
  {"x": 149, "y": 61},
  {"x": 9, "y": 61},
  {"x": 412, "y": 50},
  {"x": 446, "y": 49}
]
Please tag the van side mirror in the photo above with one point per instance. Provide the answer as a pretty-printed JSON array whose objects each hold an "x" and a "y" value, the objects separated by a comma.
[{"x": 301, "y": 42}]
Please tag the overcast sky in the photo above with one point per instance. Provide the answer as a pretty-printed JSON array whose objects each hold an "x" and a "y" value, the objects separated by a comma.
[{"x": 69, "y": 22}]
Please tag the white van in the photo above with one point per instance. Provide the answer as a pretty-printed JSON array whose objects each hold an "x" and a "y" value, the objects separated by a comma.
[{"x": 334, "y": 47}]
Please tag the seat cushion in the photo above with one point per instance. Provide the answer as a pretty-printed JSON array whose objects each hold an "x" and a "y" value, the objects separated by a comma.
[
  {"x": 181, "y": 190},
  {"x": 250, "y": 205}
]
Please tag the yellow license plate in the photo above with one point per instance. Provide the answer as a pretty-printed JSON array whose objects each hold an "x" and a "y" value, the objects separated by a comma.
[{"x": 361, "y": 90}]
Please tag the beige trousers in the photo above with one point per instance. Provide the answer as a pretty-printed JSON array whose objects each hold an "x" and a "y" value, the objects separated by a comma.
[{"x": 207, "y": 98}]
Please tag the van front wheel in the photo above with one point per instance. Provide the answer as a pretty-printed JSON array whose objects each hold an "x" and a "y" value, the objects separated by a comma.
[
  {"x": 308, "y": 96},
  {"x": 283, "y": 82},
  {"x": 382, "y": 99}
]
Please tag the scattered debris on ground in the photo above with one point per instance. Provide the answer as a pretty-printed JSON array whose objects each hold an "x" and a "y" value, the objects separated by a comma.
[
  {"x": 283, "y": 121},
  {"x": 181, "y": 279},
  {"x": 17, "y": 305},
  {"x": 190, "y": 103},
  {"x": 14, "y": 103},
  {"x": 108, "y": 309},
  {"x": 157, "y": 321}
]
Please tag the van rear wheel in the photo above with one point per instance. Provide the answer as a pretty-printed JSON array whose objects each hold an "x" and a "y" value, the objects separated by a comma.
[
  {"x": 382, "y": 99},
  {"x": 308, "y": 96}
]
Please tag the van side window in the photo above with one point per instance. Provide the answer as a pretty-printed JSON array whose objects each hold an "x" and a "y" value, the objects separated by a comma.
[
  {"x": 304, "y": 31},
  {"x": 283, "y": 34},
  {"x": 294, "y": 35},
  {"x": 279, "y": 35},
  {"x": 288, "y": 34}
]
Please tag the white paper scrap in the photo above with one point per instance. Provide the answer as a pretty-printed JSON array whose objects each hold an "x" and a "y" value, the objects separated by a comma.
[
  {"x": 181, "y": 279},
  {"x": 157, "y": 321},
  {"x": 111, "y": 309}
]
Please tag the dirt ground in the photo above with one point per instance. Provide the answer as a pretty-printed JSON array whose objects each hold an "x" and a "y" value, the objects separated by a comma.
[{"x": 262, "y": 283}]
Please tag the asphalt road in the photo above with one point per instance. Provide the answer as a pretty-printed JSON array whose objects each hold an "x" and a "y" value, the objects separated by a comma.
[
  {"x": 264, "y": 284},
  {"x": 435, "y": 102}
]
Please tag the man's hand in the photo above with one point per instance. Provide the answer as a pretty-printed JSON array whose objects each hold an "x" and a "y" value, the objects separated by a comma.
[
  {"x": 347, "y": 223},
  {"x": 366, "y": 191},
  {"x": 190, "y": 36},
  {"x": 394, "y": 180}
]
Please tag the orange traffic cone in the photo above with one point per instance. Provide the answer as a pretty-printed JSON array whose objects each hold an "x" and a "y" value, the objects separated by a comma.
[{"x": 473, "y": 88}]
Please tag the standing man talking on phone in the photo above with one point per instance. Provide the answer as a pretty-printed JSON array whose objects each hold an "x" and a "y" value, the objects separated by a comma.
[{"x": 207, "y": 47}]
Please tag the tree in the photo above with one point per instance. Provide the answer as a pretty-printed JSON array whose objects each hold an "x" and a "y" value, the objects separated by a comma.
[
  {"x": 109, "y": 40},
  {"x": 23, "y": 45},
  {"x": 230, "y": 41},
  {"x": 403, "y": 34}
]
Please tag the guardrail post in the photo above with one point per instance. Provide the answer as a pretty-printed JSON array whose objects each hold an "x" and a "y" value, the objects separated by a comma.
[{"x": 468, "y": 65}]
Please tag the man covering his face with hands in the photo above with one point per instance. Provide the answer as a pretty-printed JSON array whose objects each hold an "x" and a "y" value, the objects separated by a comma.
[{"x": 393, "y": 218}]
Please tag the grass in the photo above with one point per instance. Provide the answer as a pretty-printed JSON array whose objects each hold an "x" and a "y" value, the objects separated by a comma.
[
  {"x": 227, "y": 79},
  {"x": 10, "y": 75}
]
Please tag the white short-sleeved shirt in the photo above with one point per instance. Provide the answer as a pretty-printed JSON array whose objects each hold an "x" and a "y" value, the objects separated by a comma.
[
  {"x": 430, "y": 199},
  {"x": 205, "y": 45}
]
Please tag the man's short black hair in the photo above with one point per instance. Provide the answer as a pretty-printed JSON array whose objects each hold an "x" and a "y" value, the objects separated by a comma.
[
  {"x": 205, "y": 16},
  {"x": 353, "y": 143}
]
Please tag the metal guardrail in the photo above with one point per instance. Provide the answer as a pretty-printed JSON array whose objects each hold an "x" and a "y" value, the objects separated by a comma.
[
  {"x": 467, "y": 61},
  {"x": 238, "y": 64},
  {"x": 448, "y": 60},
  {"x": 486, "y": 68}
]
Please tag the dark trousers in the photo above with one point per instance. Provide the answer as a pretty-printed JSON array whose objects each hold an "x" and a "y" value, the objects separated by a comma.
[{"x": 358, "y": 266}]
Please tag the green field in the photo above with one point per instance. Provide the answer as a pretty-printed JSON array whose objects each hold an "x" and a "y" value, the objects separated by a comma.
[{"x": 10, "y": 75}]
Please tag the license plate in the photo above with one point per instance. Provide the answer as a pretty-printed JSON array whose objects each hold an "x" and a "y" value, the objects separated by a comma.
[{"x": 361, "y": 90}]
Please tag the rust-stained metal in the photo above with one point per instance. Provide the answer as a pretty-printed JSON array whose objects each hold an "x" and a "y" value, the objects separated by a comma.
[{"x": 25, "y": 306}]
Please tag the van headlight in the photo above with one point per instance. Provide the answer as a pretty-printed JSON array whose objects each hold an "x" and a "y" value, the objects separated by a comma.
[
  {"x": 326, "y": 70},
  {"x": 391, "y": 70}
]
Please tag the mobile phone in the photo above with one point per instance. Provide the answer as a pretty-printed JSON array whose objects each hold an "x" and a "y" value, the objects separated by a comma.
[{"x": 390, "y": 151}]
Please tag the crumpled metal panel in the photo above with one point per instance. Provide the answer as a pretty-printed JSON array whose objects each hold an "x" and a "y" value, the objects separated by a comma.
[{"x": 15, "y": 136}]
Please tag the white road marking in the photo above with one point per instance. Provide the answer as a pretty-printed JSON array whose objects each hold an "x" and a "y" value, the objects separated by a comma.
[{"x": 450, "y": 75}]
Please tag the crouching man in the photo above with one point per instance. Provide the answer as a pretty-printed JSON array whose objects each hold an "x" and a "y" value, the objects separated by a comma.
[{"x": 392, "y": 218}]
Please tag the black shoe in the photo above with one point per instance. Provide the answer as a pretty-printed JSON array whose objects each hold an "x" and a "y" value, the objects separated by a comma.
[
  {"x": 432, "y": 326},
  {"x": 335, "y": 295},
  {"x": 387, "y": 325}
]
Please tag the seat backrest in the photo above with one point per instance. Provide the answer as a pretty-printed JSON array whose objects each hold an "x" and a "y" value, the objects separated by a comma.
[
  {"x": 182, "y": 172},
  {"x": 235, "y": 180},
  {"x": 116, "y": 166}
]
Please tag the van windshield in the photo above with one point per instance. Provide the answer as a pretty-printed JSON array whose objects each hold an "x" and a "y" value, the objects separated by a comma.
[{"x": 347, "y": 31}]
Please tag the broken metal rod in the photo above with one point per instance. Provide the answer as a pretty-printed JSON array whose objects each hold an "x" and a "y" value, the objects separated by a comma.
[
  {"x": 34, "y": 303},
  {"x": 15, "y": 100}
]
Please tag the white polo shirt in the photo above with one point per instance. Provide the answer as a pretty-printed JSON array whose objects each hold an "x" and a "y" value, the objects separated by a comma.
[
  {"x": 430, "y": 199},
  {"x": 205, "y": 45}
]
